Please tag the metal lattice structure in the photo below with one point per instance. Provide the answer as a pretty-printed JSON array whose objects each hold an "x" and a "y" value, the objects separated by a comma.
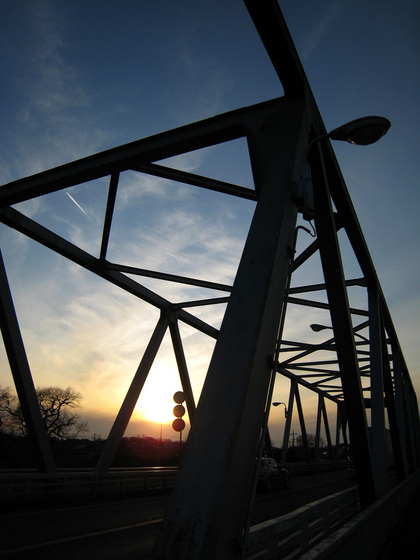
[{"x": 360, "y": 368}]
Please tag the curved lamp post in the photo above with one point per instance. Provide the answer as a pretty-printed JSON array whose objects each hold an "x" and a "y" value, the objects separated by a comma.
[
  {"x": 317, "y": 328},
  {"x": 361, "y": 132},
  {"x": 285, "y": 409}
]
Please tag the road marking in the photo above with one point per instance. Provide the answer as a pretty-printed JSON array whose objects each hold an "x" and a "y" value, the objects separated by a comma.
[
  {"x": 79, "y": 537},
  {"x": 42, "y": 510}
]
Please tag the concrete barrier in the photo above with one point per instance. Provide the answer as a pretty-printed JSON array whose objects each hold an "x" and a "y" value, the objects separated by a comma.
[
  {"x": 292, "y": 534},
  {"x": 365, "y": 536},
  {"x": 333, "y": 528}
]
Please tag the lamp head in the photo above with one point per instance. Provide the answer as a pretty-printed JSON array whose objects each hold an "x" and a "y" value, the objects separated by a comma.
[
  {"x": 363, "y": 131},
  {"x": 317, "y": 328}
]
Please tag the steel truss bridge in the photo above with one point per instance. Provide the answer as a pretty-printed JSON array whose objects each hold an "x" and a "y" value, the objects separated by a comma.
[{"x": 359, "y": 368}]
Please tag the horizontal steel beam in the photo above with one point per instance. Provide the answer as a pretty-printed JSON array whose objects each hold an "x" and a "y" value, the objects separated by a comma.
[
  {"x": 320, "y": 287},
  {"x": 320, "y": 305},
  {"x": 286, "y": 373},
  {"x": 33, "y": 230},
  {"x": 169, "y": 277},
  {"x": 222, "y": 128},
  {"x": 196, "y": 180}
]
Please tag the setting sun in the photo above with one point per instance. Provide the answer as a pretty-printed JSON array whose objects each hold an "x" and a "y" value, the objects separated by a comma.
[{"x": 156, "y": 401}]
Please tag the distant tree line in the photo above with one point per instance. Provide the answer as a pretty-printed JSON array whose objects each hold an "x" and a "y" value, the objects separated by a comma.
[{"x": 66, "y": 429}]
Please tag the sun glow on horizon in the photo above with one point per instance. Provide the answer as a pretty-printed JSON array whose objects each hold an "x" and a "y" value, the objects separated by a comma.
[{"x": 156, "y": 402}]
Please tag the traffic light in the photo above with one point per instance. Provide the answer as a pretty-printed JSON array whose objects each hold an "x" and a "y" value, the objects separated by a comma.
[{"x": 179, "y": 424}]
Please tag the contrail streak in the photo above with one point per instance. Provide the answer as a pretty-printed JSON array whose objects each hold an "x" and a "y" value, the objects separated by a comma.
[{"x": 78, "y": 205}]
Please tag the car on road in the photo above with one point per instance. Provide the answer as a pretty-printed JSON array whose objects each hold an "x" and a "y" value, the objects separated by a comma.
[{"x": 272, "y": 475}]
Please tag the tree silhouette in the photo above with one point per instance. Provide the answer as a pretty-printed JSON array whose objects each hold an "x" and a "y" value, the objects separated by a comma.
[
  {"x": 311, "y": 438},
  {"x": 56, "y": 406}
]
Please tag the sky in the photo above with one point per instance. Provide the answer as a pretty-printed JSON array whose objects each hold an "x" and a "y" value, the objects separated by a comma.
[{"x": 83, "y": 76}]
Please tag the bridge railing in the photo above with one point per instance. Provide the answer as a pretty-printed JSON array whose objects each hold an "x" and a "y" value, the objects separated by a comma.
[
  {"x": 24, "y": 487},
  {"x": 334, "y": 527},
  {"x": 292, "y": 534}
]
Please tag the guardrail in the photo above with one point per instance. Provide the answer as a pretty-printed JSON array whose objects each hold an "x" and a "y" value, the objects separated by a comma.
[
  {"x": 18, "y": 488},
  {"x": 27, "y": 485},
  {"x": 291, "y": 535}
]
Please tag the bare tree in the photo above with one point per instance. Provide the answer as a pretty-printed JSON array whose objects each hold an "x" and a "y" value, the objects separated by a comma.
[
  {"x": 56, "y": 406},
  {"x": 8, "y": 404}
]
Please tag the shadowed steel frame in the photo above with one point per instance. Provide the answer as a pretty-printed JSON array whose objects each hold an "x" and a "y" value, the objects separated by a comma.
[{"x": 206, "y": 517}]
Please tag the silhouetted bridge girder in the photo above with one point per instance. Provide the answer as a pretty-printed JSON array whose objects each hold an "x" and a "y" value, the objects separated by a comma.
[{"x": 363, "y": 375}]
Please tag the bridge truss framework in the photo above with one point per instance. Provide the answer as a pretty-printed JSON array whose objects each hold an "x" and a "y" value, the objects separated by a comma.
[{"x": 363, "y": 375}]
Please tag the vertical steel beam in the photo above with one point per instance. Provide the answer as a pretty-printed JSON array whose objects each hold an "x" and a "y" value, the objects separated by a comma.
[
  {"x": 343, "y": 329},
  {"x": 392, "y": 412},
  {"x": 403, "y": 410},
  {"x": 318, "y": 426},
  {"x": 322, "y": 414},
  {"x": 302, "y": 422},
  {"x": 337, "y": 432},
  {"x": 22, "y": 377},
  {"x": 327, "y": 427},
  {"x": 112, "y": 194},
  {"x": 288, "y": 424},
  {"x": 340, "y": 427},
  {"x": 207, "y": 511},
  {"x": 131, "y": 398},
  {"x": 414, "y": 419},
  {"x": 182, "y": 369},
  {"x": 406, "y": 409},
  {"x": 378, "y": 441}
]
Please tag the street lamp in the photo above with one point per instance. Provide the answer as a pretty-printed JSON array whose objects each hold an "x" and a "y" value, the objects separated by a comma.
[
  {"x": 361, "y": 132},
  {"x": 285, "y": 409},
  {"x": 317, "y": 328}
]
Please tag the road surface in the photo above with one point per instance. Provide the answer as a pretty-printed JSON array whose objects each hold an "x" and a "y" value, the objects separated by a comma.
[{"x": 126, "y": 529}]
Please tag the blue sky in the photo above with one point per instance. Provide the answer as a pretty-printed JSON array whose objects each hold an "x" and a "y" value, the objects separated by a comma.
[{"x": 82, "y": 76}]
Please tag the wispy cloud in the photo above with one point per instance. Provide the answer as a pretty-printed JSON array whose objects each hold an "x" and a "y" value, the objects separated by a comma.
[
  {"x": 204, "y": 80},
  {"x": 318, "y": 31},
  {"x": 54, "y": 85},
  {"x": 53, "y": 103},
  {"x": 185, "y": 235}
]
